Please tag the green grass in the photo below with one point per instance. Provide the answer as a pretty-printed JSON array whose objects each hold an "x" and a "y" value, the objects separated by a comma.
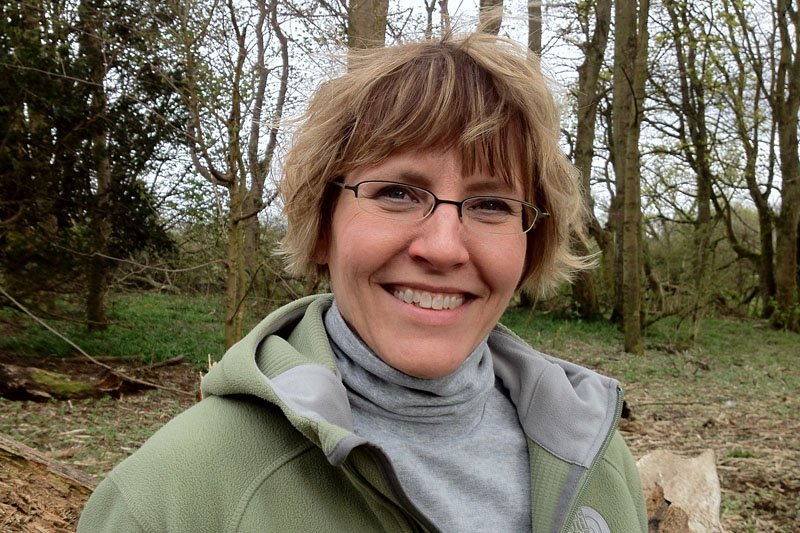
[
  {"x": 156, "y": 327},
  {"x": 739, "y": 453},
  {"x": 153, "y": 326},
  {"x": 742, "y": 357}
]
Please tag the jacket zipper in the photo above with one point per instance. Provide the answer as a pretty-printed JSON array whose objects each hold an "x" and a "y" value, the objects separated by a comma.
[{"x": 579, "y": 493}]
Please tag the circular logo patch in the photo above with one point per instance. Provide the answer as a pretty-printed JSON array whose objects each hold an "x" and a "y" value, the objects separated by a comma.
[{"x": 593, "y": 522}]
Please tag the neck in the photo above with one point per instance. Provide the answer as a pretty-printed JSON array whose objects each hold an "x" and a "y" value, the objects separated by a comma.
[{"x": 454, "y": 401}]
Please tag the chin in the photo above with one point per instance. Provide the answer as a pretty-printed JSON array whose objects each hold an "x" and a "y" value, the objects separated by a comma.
[{"x": 422, "y": 368}]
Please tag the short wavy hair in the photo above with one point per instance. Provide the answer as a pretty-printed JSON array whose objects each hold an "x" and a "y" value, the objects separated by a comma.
[{"x": 482, "y": 95}]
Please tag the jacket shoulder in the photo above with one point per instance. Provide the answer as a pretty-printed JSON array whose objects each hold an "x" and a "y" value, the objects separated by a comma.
[{"x": 197, "y": 471}]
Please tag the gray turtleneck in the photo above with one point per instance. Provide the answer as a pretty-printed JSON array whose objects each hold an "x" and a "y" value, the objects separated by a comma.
[{"x": 455, "y": 442}]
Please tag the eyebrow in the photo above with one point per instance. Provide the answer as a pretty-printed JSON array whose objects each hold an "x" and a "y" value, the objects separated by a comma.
[{"x": 491, "y": 186}]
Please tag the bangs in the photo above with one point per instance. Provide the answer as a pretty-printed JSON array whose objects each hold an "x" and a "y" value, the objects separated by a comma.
[{"x": 442, "y": 100}]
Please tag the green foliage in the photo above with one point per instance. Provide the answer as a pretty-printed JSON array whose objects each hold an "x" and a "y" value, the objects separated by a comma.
[
  {"x": 77, "y": 91},
  {"x": 546, "y": 329},
  {"x": 729, "y": 287},
  {"x": 154, "y": 326},
  {"x": 739, "y": 453}
]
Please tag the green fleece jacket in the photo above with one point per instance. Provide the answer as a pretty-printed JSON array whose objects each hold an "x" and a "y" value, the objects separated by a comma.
[{"x": 271, "y": 447}]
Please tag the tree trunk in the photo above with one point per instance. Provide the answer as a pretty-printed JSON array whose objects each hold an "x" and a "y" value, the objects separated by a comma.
[
  {"x": 583, "y": 289},
  {"x": 259, "y": 165},
  {"x": 615, "y": 247},
  {"x": 236, "y": 278},
  {"x": 535, "y": 26},
  {"x": 38, "y": 493},
  {"x": 366, "y": 24},
  {"x": 91, "y": 49},
  {"x": 13, "y": 451},
  {"x": 101, "y": 231},
  {"x": 491, "y": 16},
  {"x": 245, "y": 163},
  {"x": 630, "y": 71},
  {"x": 695, "y": 142},
  {"x": 786, "y": 107},
  {"x": 766, "y": 266}
]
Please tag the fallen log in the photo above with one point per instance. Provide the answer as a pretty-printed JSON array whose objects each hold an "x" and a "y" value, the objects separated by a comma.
[
  {"x": 12, "y": 450},
  {"x": 39, "y": 385},
  {"x": 38, "y": 493}
]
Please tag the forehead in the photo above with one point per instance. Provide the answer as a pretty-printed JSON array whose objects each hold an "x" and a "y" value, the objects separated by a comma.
[{"x": 438, "y": 169}]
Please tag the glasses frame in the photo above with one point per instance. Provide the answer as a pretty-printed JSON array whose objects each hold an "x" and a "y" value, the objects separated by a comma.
[{"x": 540, "y": 214}]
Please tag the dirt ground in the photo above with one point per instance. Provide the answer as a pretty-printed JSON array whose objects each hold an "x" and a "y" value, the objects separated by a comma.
[
  {"x": 760, "y": 491},
  {"x": 92, "y": 435}
]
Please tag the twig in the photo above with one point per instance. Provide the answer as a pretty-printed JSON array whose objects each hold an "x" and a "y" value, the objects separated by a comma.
[
  {"x": 666, "y": 402},
  {"x": 111, "y": 358},
  {"x": 172, "y": 361},
  {"x": 140, "y": 265},
  {"x": 89, "y": 357}
]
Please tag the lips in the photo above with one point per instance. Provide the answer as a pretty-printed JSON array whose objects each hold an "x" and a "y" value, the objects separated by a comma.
[{"x": 428, "y": 300}]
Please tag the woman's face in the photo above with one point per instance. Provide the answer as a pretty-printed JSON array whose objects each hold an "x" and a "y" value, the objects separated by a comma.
[{"x": 374, "y": 260}]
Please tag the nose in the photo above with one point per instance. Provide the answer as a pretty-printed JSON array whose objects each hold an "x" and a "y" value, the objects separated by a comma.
[{"x": 441, "y": 240}]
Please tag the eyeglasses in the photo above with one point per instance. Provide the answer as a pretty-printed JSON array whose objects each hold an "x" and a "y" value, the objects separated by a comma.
[{"x": 487, "y": 214}]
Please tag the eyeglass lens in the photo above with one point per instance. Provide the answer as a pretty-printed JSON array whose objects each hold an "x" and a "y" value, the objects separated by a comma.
[{"x": 489, "y": 214}]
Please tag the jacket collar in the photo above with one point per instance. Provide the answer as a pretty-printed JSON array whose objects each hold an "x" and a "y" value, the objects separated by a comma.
[{"x": 286, "y": 360}]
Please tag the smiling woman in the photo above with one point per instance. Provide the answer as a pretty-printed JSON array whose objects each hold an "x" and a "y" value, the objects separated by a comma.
[
  {"x": 370, "y": 258},
  {"x": 428, "y": 185}
]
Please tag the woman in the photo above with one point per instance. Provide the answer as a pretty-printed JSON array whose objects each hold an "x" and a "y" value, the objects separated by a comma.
[{"x": 428, "y": 184}]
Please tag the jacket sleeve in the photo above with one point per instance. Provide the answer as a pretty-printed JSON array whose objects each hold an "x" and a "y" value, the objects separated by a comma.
[
  {"x": 106, "y": 510},
  {"x": 615, "y": 492}
]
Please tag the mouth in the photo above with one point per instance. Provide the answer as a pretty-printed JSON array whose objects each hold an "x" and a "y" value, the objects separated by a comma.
[{"x": 428, "y": 300}]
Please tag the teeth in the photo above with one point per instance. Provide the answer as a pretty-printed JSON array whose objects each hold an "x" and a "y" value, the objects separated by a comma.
[
  {"x": 428, "y": 300},
  {"x": 425, "y": 300}
]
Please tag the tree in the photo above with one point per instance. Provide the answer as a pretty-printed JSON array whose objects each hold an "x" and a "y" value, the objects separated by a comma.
[
  {"x": 774, "y": 60},
  {"x": 91, "y": 42},
  {"x": 744, "y": 99},
  {"x": 366, "y": 23},
  {"x": 784, "y": 98},
  {"x": 490, "y": 15},
  {"x": 692, "y": 51},
  {"x": 85, "y": 122},
  {"x": 630, "y": 71},
  {"x": 587, "y": 100},
  {"x": 226, "y": 94}
]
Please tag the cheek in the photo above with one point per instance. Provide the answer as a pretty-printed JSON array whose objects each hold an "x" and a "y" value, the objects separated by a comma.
[
  {"x": 355, "y": 248},
  {"x": 504, "y": 262}
]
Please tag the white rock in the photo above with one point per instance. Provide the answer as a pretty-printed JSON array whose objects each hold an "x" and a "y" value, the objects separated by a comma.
[{"x": 690, "y": 483}]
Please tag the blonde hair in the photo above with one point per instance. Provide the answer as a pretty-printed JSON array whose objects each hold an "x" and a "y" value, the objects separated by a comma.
[{"x": 479, "y": 94}]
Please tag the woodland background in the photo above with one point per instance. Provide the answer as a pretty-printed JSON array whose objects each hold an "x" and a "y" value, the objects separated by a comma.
[{"x": 141, "y": 143}]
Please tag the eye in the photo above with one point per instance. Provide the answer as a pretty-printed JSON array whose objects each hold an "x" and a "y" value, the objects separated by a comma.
[
  {"x": 400, "y": 193},
  {"x": 393, "y": 192},
  {"x": 491, "y": 206},
  {"x": 395, "y": 197}
]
